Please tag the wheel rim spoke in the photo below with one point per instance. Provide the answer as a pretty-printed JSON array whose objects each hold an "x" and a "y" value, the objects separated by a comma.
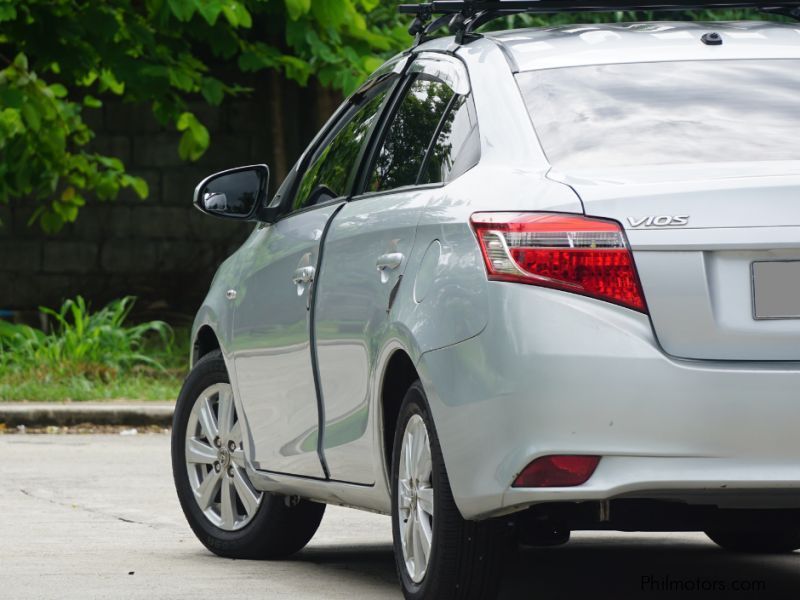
[
  {"x": 408, "y": 537},
  {"x": 207, "y": 421},
  {"x": 420, "y": 439},
  {"x": 425, "y": 533},
  {"x": 248, "y": 497},
  {"x": 237, "y": 458},
  {"x": 207, "y": 490},
  {"x": 425, "y": 500},
  {"x": 225, "y": 412},
  {"x": 425, "y": 465},
  {"x": 409, "y": 453},
  {"x": 228, "y": 504},
  {"x": 419, "y": 553},
  {"x": 404, "y": 489},
  {"x": 198, "y": 452}
]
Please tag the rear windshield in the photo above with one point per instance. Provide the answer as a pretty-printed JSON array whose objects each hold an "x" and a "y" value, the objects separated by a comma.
[{"x": 666, "y": 113}]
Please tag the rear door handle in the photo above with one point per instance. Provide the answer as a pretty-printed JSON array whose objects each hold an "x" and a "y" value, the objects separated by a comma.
[
  {"x": 303, "y": 275},
  {"x": 388, "y": 262}
]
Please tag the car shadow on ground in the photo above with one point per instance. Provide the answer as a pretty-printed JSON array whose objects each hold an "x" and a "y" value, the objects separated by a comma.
[{"x": 597, "y": 568}]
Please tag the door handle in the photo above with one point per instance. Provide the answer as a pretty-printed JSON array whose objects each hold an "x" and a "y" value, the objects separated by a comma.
[
  {"x": 387, "y": 262},
  {"x": 303, "y": 275}
]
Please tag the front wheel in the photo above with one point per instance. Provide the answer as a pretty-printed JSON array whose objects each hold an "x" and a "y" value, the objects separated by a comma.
[
  {"x": 227, "y": 514},
  {"x": 438, "y": 553}
]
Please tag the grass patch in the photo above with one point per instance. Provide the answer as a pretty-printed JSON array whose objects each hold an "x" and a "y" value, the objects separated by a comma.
[{"x": 88, "y": 355}]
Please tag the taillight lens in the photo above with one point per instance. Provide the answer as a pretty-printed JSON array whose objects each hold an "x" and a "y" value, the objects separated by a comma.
[
  {"x": 568, "y": 252},
  {"x": 557, "y": 471}
]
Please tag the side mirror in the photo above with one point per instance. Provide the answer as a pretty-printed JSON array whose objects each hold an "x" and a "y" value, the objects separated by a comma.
[{"x": 237, "y": 193}]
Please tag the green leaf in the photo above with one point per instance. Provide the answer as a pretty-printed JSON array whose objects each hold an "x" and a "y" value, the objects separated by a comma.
[
  {"x": 21, "y": 62},
  {"x": 68, "y": 194},
  {"x": 139, "y": 186},
  {"x": 92, "y": 102},
  {"x": 213, "y": 90},
  {"x": 109, "y": 81},
  {"x": 50, "y": 221},
  {"x": 31, "y": 116},
  {"x": 236, "y": 14},
  {"x": 59, "y": 91},
  {"x": 110, "y": 162},
  {"x": 182, "y": 9},
  {"x": 210, "y": 9},
  {"x": 181, "y": 79},
  {"x": 297, "y": 8},
  {"x": 195, "y": 139}
]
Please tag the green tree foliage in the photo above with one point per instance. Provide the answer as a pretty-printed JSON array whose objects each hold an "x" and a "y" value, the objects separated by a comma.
[{"x": 59, "y": 57}]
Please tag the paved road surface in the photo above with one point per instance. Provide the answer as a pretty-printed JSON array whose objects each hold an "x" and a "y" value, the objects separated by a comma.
[{"x": 95, "y": 516}]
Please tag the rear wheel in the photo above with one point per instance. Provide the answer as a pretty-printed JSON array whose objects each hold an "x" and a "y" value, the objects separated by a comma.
[
  {"x": 438, "y": 553},
  {"x": 228, "y": 515},
  {"x": 763, "y": 542}
]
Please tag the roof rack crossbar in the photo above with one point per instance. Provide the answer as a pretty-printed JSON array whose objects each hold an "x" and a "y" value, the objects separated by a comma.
[{"x": 467, "y": 15}]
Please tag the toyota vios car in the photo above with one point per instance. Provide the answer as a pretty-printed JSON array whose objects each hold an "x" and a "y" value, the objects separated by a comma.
[{"x": 536, "y": 281}]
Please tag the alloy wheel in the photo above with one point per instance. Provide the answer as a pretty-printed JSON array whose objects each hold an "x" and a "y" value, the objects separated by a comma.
[
  {"x": 415, "y": 498},
  {"x": 215, "y": 461}
]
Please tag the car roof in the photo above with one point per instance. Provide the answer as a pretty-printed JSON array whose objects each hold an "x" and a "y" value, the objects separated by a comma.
[{"x": 658, "y": 41}]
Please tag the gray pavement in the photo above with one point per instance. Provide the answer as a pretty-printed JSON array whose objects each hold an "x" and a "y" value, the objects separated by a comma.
[{"x": 95, "y": 516}]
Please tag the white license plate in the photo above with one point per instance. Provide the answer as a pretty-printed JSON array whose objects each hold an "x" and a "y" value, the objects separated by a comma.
[{"x": 776, "y": 289}]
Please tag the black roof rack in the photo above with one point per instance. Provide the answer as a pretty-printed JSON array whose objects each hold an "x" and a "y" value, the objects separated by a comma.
[{"x": 465, "y": 16}]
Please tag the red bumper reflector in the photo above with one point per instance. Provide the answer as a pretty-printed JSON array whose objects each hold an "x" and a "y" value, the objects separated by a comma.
[{"x": 557, "y": 471}]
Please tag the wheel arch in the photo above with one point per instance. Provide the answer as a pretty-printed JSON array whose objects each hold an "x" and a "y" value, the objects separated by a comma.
[
  {"x": 205, "y": 341},
  {"x": 399, "y": 374}
]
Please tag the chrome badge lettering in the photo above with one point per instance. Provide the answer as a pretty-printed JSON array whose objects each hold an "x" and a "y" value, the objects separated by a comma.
[{"x": 659, "y": 221}]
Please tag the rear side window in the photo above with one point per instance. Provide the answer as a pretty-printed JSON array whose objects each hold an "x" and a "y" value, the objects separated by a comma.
[
  {"x": 332, "y": 165},
  {"x": 457, "y": 147},
  {"x": 417, "y": 119},
  {"x": 432, "y": 137},
  {"x": 665, "y": 113}
]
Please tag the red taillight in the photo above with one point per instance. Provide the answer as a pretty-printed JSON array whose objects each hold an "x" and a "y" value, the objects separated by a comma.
[
  {"x": 557, "y": 471},
  {"x": 567, "y": 252}
]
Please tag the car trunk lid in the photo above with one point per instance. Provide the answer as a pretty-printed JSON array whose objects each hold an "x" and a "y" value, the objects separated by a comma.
[{"x": 717, "y": 249}]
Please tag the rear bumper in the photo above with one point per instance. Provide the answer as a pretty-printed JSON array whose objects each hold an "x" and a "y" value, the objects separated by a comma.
[{"x": 554, "y": 373}]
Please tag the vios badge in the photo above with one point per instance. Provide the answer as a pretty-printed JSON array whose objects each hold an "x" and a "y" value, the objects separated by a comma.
[{"x": 660, "y": 221}]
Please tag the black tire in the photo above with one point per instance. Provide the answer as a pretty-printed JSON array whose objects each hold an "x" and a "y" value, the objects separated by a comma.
[
  {"x": 277, "y": 530},
  {"x": 757, "y": 542},
  {"x": 467, "y": 558}
]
